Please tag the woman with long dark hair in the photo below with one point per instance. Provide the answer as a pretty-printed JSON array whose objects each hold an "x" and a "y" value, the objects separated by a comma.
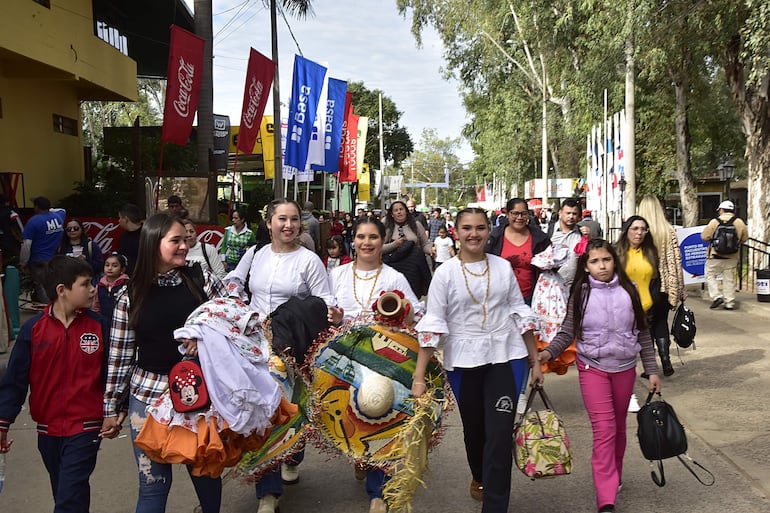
[
  {"x": 476, "y": 311},
  {"x": 639, "y": 258},
  {"x": 672, "y": 291},
  {"x": 75, "y": 242},
  {"x": 606, "y": 317},
  {"x": 406, "y": 247},
  {"x": 273, "y": 275},
  {"x": 163, "y": 292}
]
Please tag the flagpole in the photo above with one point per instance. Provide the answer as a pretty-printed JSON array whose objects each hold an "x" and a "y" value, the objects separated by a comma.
[
  {"x": 160, "y": 167},
  {"x": 605, "y": 168},
  {"x": 232, "y": 186}
]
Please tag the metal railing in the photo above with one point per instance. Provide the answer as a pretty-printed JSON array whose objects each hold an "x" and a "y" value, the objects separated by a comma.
[{"x": 754, "y": 254}]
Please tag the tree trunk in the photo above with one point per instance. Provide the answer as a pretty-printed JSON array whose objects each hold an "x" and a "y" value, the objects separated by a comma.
[
  {"x": 753, "y": 106},
  {"x": 687, "y": 191}
]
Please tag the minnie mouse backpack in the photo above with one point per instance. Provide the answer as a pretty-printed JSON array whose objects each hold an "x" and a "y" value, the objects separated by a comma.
[{"x": 188, "y": 388}]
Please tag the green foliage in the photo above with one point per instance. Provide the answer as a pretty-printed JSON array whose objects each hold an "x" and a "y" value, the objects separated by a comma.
[{"x": 110, "y": 188}]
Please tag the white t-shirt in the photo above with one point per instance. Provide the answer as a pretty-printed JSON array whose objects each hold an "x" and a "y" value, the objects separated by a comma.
[{"x": 443, "y": 246}]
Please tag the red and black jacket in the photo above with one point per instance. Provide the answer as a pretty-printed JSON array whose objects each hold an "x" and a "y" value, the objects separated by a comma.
[{"x": 65, "y": 371}]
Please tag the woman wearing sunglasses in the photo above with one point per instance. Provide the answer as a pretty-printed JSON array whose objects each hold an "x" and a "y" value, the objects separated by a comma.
[{"x": 76, "y": 243}]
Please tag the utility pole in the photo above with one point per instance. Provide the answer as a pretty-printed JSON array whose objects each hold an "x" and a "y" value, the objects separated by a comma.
[
  {"x": 205, "y": 133},
  {"x": 278, "y": 172},
  {"x": 629, "y": 145},
  {"x": 382, "y": 162}
]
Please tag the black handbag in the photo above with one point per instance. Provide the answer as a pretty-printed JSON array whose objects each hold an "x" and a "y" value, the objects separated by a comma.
[
  {"x": 683, "y": 327},
  {"x": 662, "y": 436}
]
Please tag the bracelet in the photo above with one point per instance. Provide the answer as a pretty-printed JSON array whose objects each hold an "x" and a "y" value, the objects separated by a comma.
[{"x": 419, "y": 383}]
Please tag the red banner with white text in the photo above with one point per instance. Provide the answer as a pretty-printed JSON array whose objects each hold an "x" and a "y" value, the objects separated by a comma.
[
  {"x": 259, "y": 78},
  {"x": 185, "y": 64}
]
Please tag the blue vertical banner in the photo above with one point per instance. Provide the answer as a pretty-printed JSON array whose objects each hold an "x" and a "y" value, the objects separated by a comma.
[
  {"x": 335, "y": 115},
  {"x": 306, "y": 88}
]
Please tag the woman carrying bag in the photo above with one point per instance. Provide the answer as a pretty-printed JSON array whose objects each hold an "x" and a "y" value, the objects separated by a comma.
[
  {"x": 478, "y": 315},
  {"x": 672, "y": 291},
  {"x": 605, "y": 315}
]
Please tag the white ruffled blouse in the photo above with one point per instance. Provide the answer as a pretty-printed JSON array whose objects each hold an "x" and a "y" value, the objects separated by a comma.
[{"x": 454, "y": 320}]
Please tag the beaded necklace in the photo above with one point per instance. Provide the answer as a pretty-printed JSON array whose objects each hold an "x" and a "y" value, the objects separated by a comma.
[
  {"x": 356, "y": 277},
  {"x": 478, "y": 275}
]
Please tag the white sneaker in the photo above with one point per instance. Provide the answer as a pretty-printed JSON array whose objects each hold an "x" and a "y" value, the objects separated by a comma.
[
  {"x": 268, "y": 504},
  {"x": 289, "y": 474},
  {"x": 377, "y": 506},
  {"x": 633, "y": 405}
]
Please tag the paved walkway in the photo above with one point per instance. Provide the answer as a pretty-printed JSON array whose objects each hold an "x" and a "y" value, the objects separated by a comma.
[{"x": 718, "y": 391}]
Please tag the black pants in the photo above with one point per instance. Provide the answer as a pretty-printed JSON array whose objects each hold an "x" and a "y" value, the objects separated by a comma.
[
  {"x": 486, "y": 397},
  {"x": 70, "y": 460}
]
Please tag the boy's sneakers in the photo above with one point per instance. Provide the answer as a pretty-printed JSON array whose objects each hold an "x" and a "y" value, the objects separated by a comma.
[
  {"x": 633, "y": 407},
  {"x": 717, "y": 303},
  {"x": 268, "y": 504},
  {"x": 289, "y": 474}
]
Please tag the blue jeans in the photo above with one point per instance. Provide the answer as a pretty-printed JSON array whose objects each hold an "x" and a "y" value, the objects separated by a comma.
[
  {"x": 375, "y": 480},
  {"x": 155, "y": 478},
  {"x": 70, "y": 460},
  {"x": 270, "y": 483}
]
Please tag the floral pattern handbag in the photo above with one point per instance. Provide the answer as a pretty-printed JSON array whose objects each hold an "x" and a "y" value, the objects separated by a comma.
[{"x": 541, "y": 447}]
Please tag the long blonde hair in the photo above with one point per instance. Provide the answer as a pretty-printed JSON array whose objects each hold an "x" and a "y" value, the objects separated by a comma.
[{"x": 660, "y": 229}]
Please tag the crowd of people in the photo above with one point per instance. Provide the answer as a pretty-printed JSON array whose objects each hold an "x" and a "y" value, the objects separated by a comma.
[{"x": 472, "y": 286}]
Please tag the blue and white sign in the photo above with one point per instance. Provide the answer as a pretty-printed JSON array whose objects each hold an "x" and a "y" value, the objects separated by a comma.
[
  {"x": 334, "y": 115},
  {"x": 694, "y": 253}
]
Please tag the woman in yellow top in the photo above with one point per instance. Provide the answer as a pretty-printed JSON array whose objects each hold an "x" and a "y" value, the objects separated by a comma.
[{"x": 639, "y": 257}]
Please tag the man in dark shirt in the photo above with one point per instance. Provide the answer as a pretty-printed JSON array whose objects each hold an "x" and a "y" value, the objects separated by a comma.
[
  {"x": 130, "y": 219},
  {"x": 418, "y": 216}
]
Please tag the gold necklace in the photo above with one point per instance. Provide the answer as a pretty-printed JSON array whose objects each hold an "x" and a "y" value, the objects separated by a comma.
[
  {"x": 374, "y": 277},
  {"x": 467, "y": 287}
]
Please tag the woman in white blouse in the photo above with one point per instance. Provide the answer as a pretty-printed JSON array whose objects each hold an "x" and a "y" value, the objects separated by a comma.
[
  {"x": 276, "y": 273},
  {"x": 355, "y": 287},
  {"x": 477, "y": 313}
]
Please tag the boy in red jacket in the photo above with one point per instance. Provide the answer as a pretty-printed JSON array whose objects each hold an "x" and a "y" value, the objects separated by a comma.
[{"x": 60, "y": 356}]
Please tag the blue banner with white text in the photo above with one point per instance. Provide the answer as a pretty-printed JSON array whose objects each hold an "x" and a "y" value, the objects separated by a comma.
[
  {"x": 335, "y": 115},
  {"x": 305, "y": 95}
]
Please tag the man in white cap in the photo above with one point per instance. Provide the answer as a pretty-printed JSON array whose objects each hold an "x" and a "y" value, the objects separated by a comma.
[{"x": 726, "y": 233}]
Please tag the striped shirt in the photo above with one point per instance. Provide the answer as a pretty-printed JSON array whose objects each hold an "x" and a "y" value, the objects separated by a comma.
[{"x": 123, "y": 375}]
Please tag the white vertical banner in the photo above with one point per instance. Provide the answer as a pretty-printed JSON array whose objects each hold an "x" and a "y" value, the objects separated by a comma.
[{"x": 317, "y": 150}]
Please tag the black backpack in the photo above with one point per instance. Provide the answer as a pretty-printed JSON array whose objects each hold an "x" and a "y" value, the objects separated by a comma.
[
  {"x": 725, "y": 240},
  {"x": 683, "y": 327}
]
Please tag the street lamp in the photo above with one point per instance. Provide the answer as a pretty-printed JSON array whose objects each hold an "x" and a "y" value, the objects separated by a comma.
[
  {"x": 622, "y": 184},
  {"x": 728, "y": 170}
]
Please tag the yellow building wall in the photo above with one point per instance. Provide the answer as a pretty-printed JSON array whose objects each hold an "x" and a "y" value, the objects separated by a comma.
[
  {"x": 51, "y": 161},
  {"x": 50, "y": 60},
  {"x": 63, "y": 39}
]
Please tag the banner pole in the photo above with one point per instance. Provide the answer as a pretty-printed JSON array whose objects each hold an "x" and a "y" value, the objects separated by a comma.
[
  {"x": 232, "y": 187},
  {"x": 160, "y": 167}
]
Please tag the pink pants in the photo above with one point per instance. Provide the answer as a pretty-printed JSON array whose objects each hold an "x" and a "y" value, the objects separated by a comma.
[{"x": 606, "y": 396}]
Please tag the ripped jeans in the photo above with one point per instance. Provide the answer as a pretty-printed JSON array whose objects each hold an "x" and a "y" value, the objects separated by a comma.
[{"x": 155, "y": 478}]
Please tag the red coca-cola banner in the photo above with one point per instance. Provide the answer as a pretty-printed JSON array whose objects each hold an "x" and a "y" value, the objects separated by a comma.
[
  {"x": 105, "y": 233},
  {"x": 259, "y": 78},
  {"x": 185, "y": 64}
]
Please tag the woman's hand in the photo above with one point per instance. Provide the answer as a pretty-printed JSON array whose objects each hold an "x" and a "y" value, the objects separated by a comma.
[
  {"x": 419, "y": 388},
  {"x": 334, "y": 315},
  {"x": 399, "y": 241},
  {"x": 544, "y": 356},
  {"x": 655, "y": 383},
  {"x": 190, "y": 346},
  {"x": 536, "y": 378}
]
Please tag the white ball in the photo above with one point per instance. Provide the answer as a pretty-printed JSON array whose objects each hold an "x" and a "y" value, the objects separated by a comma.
[{"x": 375, "y": 395}]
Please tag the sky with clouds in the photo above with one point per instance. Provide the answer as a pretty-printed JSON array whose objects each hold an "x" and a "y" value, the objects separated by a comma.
[{"x": 361, "y": 40}]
